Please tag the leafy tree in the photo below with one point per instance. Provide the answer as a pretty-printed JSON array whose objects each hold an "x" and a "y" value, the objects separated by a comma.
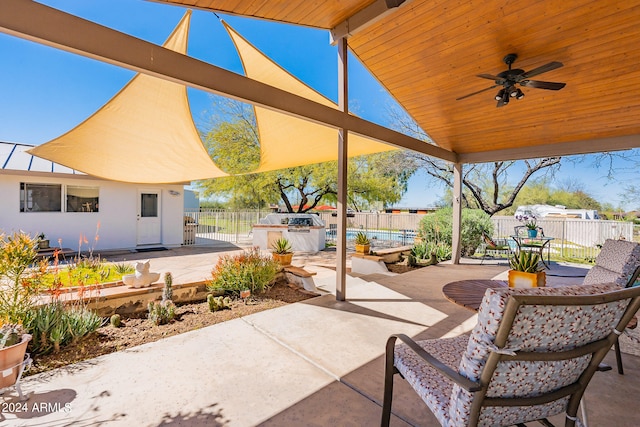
[
  {"x": 631, "y": 195},
  {"x": 234, "y": 145},
  {"x": 485, "y": 186}
]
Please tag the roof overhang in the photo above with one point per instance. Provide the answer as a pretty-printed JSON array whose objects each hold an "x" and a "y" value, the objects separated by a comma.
[
  {"x": 428, "y": 53},
  {"x": 52, "y": 27}
]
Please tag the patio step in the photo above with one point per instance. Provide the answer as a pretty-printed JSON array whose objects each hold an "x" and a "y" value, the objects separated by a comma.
[{"x": 301, "y": 277}]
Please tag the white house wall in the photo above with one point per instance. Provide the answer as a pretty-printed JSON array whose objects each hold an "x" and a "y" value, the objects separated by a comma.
[{"x": 117, "y": 216}]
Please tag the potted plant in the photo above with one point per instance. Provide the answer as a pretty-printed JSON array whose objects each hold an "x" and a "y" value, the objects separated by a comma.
[
  {"x": 363, "y": 244},
  {"x": 282, "y": 251},
  {"x": 531, "y": 224},
  {"x": 43, "y": 242},
  {"x": 526, "y": 271},
  {"x": 13, "y": 346}
]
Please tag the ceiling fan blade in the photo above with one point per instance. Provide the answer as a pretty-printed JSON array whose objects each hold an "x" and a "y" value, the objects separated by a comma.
[
  {"x": 488, "y": 76},
  {"x": 501, "y": 103},
  {"x": 475, "y": 93},
  {"x": 543, "y": 85},
  {"x": 543, "y": 69}
]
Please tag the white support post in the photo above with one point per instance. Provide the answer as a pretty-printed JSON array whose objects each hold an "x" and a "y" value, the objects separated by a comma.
[
  {"x": 457, "y": 212},
  {"x": 341, "y": 244}
]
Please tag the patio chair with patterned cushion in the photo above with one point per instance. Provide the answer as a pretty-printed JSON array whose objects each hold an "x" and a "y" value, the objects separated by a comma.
[
  {"x": 499, "y": 246},
  {"x": 618, "y": 262},
  {"x": 530, "y": 356}
]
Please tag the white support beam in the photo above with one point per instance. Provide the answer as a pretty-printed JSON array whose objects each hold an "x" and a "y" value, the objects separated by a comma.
[
  {"x": 457, "y": 213},
  {"x": 42, "y": 24},
  {"x": 343, "y": 149},
  {"x": 365, "y": 17},
  {"x": 552, "y": 150}
]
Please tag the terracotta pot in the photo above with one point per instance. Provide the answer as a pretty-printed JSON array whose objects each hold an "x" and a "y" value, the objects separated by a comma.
[
  {"x": 11, "y": 357},
  {"x": 363, "y": 249},
  {"x": 283, "y": 259},
  {"x": 520, "y": 279},
  {"x": 245, "y": 293}
]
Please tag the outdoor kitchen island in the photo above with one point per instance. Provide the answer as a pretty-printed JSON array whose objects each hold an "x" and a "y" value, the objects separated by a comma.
[{"x": 305, "y": 232}]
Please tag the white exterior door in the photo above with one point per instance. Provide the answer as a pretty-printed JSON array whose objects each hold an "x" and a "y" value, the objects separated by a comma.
[{"x": 149, "y": 220}]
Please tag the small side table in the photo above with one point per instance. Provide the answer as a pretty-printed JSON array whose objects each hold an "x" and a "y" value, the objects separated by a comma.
[{"x": 469, "y": 293}]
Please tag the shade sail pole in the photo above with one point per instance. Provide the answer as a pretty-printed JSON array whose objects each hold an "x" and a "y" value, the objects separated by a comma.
[
  {"x": 341, "y": 244},
  {"x": 457, "y": 212}
]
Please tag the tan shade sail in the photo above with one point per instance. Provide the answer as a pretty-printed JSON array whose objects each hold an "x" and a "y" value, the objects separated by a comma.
[
  {"x": 144, "y": 134},
  {"x": 287, "y": 141}
]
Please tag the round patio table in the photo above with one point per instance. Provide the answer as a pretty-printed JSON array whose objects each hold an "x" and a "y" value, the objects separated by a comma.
[{"x": 469, "y": 293}]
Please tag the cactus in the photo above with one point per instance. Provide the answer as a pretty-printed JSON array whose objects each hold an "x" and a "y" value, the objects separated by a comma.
[
  {"x": 218, "y": 303},
  {"x": 115, "y": 321},
  {"x": 161, "y": 313},
  {"x": 167, "y": 292}
]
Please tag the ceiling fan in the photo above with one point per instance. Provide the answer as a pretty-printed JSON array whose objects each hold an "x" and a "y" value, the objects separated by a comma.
[{"x": 509, "y": 78}]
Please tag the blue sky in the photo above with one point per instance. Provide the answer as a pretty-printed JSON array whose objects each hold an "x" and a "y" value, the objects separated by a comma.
[{"x": 46, "y": 92}]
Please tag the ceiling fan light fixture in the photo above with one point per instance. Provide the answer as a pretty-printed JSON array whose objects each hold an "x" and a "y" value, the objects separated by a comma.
[
  {"x": 519, "y": 94},
  {"x": 505, "y": 97},
  {"x": 500, "y": 95},
  {"x": 513, "y": 92}
]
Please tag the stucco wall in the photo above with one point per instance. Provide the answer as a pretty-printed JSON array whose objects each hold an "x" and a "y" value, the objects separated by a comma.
[{"x": 117, "y": 214}]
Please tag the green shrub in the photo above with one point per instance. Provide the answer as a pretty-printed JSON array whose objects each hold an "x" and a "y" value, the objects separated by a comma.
[
  {"x": 436, "y": 228},
  {"x": 161, "y": 313},
  {"x": 248, "y": 270},
  {"x": 218, "y": 303}
]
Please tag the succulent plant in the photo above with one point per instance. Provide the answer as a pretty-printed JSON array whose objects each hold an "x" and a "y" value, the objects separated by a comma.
[
  {"x": 281, "y": 246},
  {"x": 161, "y": 313},
  {"x": 167, "y": 292},
  {"x": 362, "y": 239},
  {"x": 116, "y": 321},
  {"x": 525, "y": 261},
  {"x": 218, "y": 303}
]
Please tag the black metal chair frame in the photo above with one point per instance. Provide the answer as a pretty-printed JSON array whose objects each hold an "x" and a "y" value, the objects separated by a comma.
[{"x": 494, "y": 246}]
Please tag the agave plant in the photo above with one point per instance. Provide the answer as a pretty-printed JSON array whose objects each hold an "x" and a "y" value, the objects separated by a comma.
[
  {"x": 362, "y": 239},
  {"x": 281, "y": 246},
  {"x": 526, "y": 261}
]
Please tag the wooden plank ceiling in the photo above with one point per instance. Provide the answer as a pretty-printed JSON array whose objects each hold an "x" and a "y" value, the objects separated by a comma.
[{"x": 428, "y": 53}]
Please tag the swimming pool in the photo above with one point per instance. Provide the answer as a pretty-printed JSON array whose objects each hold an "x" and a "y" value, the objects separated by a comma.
[{"x": 403, "y": 236}]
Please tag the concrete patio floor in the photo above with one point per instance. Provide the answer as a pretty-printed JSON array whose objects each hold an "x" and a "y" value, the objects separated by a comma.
[{"x": 313, "y": 363}]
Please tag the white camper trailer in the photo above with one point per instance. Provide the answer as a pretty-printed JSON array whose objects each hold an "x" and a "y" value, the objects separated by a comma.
[{"x": 558, "y": 211}]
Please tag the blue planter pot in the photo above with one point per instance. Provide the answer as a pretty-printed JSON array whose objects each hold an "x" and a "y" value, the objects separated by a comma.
[{"x": 533, "y": 233}]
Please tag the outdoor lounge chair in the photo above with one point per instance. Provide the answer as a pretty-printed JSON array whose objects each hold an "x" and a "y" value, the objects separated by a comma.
[
  {"x": 530, "y": 356},
  {"x": 618, "y": 262},
  {"x": 499, "y": 246}
]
